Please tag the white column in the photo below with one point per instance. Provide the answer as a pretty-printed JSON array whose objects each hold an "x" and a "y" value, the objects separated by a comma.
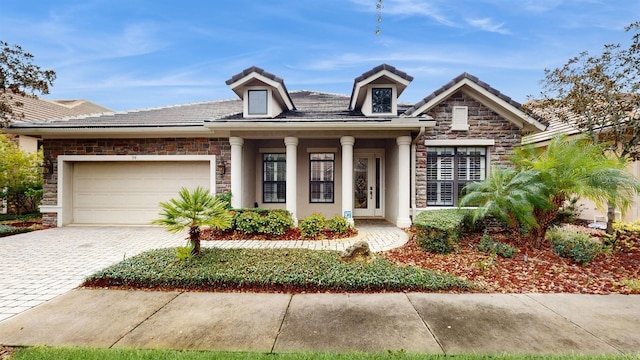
[
  {"x": 347, "y": 175},
  {"x": 236, "y": 171},
  {"x": 404, "y": 181},
  {"x": 292, "y": 176}
]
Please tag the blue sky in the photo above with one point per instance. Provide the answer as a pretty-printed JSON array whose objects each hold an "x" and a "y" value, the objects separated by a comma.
[{"x": 128, "y": 54}]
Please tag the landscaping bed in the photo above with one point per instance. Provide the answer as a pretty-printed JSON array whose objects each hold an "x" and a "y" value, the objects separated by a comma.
[
  {"x": 16, "y": 224},
  {"x": 529, "y": 270},
  {"x": 269, "y": 270}
]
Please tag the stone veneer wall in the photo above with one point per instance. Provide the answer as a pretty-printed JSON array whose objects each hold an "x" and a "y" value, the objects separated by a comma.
[
  {"x": 483, "y": 124},
  {"x": 165, "y": 146}
]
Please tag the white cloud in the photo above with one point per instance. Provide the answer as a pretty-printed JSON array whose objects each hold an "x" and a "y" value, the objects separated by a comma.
[{"x": 487, "y": 24}]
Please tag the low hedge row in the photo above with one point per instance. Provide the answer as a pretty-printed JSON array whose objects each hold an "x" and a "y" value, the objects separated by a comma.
[
  {"x": 438, "y": 230},
  {"x": 276, "y": 222}
]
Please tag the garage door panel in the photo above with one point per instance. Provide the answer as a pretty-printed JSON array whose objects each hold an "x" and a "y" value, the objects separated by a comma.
[{"x": 129, "y": 192}]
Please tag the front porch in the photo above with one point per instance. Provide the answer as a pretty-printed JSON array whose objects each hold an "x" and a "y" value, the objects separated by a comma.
[{"x": 354, "y": 177}]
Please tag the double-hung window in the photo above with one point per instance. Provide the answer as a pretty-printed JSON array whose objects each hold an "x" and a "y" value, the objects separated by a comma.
[
  {"x": 321, "y": 177},
  {"x": 449, "y": 169},
  {"x": 274, "y": 184}
]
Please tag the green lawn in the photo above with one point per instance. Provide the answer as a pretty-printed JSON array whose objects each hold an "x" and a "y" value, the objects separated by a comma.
[
  {"x": 268, "y": 269},
  {"x": 41, "y": 353}
]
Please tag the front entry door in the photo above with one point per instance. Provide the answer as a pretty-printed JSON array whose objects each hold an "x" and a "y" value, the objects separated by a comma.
[{"x": 367, "y": 186}]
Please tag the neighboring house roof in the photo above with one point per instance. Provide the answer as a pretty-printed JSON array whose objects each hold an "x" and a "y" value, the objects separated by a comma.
[
  {"x": 555, "y": 127},
  {"x": 483, "y": 92},
  {"x": 40, "y": 109}
]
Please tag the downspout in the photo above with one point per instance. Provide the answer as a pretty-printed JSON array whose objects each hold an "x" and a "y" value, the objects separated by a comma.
[{"x": 413, "y": 172}]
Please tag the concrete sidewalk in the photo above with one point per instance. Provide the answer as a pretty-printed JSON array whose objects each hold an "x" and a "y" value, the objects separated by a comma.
[{"x": 414, "y": 322}]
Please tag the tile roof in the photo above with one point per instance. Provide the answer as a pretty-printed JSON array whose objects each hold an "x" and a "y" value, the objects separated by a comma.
[
  {"x": 381, "y": 67},
  {"x": 180, "y": 115},
  {"x": 35, "y": 109},
  {"x": 262, "y": 72},
  {"x": 455, "y": 81}
]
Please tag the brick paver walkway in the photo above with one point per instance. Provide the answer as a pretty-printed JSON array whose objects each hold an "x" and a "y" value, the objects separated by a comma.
[{"x": 41, "y": 265}]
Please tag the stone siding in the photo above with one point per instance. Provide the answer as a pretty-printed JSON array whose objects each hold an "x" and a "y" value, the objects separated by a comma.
[
  {"x": 483, "y": 122},
  {"x": 165, "y": 146}
]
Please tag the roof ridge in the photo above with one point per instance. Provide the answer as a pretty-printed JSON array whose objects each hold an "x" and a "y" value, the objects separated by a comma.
[{"x": 318, "y": 92}]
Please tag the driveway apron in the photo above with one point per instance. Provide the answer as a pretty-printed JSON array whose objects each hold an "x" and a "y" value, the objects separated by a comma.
[{"x": 41, "y": 265}]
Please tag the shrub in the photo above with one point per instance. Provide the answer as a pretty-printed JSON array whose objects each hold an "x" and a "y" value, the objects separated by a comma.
[
  {"x": 274, "y": 222},
  {"x": 496, "y": 247},
  {"x": 6, "y": 230},
  {"x": 578, "y": 246},
  {"x": 249, "y": 222},
  {"x": 438, "y": 230},
  {"x": 226, "y": 197},
  {"x": 312, "y": 226},
  {"x": 277, "y": 223},
  {"x": 339, "y": 225}
]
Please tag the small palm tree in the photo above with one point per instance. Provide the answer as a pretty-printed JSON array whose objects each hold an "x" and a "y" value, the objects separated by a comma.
[
  {"x": 193, "y": 210},
  {"x": 508, "y": 195},
  {"x": 575, "y": 166}
]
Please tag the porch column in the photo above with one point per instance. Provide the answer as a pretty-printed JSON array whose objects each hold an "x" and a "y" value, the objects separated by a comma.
[
  {"x": 404, "y": 181},
  {"x": 236, "y": 171},
  {"x": 292, "y": 176},
  {"x": 347, "y": 176}
]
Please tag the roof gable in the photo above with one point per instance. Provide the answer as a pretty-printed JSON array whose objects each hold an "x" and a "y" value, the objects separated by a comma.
[
  {"x": 255, "y": 76},
  {"x": 383, "y": 73},
  {"x": 485, "y": 94}
]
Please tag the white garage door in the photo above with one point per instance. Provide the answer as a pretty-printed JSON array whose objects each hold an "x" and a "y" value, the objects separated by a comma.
[{"x": 128, "y": 193}]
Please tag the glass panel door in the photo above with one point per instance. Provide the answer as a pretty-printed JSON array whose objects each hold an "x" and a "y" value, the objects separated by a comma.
[
  {"x": 367, "y": 185},
  {"x": 361, "y": 183}
]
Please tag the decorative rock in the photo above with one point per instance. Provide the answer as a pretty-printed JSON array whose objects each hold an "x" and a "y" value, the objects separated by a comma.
[{"x": 358, "y": 252}]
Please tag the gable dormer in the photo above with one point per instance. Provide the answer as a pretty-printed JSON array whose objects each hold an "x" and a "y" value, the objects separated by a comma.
[
  {"x": 376, "y": 92},
  {"x": 263, "y": 94}
]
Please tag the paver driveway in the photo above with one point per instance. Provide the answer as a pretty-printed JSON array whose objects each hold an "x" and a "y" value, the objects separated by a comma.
[{"x": 41, "y": 265}]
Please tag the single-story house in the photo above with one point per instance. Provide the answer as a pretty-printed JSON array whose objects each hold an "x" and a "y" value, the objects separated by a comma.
[{"x": 366, "y": 155}]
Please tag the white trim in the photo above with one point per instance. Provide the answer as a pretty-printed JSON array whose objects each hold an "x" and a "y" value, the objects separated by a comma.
[
  {"x": 272, "y": 150},
  {"x": 322, "y": 150},
  {"x": 460, "y": 142},
  {"x": 64, "y": 178},
  {"x": 495, "y": 103}
]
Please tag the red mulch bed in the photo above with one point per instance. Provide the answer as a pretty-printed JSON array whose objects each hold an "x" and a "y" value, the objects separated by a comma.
[{"x": 543, "y": 271}]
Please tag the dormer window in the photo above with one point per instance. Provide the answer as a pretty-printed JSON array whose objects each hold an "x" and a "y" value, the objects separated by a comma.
[
  {"x": 258, "y": 102},
  {"x": 263, "y": 94},
  {"x": 381, "y": 100},
  {"x": 375, "y": 93}
]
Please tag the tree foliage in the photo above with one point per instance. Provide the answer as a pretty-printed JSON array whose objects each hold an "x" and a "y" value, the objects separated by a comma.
[
  {"x": 20, "y": 176},
  {"x": 600, "y": 95},
  {"x": 576, "y": 166},
  {"x": 508, "y": 195},
  {"x": 531, "y": 194},
  {"x": 192, "y": 210},
  {"x": 19, "y": 77}
]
